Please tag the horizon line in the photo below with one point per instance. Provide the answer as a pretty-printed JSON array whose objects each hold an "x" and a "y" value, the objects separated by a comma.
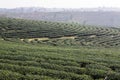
[{"x": 58, "y": 7}]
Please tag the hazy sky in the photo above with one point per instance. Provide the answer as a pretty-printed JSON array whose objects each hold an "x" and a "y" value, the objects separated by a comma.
[{"x": 59, "y": 3}]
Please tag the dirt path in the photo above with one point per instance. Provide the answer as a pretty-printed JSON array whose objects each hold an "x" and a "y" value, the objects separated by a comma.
[{"x": 42, "y": 39}]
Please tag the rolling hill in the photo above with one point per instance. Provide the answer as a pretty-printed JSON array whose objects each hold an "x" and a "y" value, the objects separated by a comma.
[
  {"x": 42, "y": 50},
  {"x": 59, "y": 33}
]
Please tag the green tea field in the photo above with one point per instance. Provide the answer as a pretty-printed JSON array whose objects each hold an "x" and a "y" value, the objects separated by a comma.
[{"x": 41, "y": 50}]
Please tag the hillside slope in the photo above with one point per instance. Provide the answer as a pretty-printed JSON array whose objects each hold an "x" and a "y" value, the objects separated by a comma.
[
  {"x": 22, "y": 61},
  {"x": 59, "y": 33},
  {"x": 42, "y": 50}
]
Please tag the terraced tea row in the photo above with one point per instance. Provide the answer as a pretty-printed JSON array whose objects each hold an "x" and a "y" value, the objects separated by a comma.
[
  {"x": 53, "y": 32},
  {"x": 27, "y": 61}
]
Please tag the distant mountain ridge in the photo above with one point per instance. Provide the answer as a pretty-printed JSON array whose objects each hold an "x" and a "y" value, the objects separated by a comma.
[
  {"x": 91, "y": 16},
  {"x": 38, "y": 9}
]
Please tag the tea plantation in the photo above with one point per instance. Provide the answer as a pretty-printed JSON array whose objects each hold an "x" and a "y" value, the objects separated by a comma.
[{"x": 40, "y": 50}]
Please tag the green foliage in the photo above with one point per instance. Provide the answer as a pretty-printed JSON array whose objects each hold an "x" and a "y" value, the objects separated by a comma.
[
  {"x": 8, "y": 75},
  {"x": 96, "y": 73},
  {"x": 24, "y": 57},
  {"x": 83, "y": 35},
  {"x": 114, "y": 76},
  {"x": 27, "y": 61}
]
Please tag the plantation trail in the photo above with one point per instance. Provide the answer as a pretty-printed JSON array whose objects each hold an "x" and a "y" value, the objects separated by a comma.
[
  {"x": 32, "y": 39},
  {"x": 1, "y": 39},
  {"x": 46, "y": 38},
  {"x": 67, "y": 37},
  {"x": 92, "y": 36}
]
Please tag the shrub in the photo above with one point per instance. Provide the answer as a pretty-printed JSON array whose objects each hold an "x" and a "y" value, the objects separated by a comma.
[{"x": 9, "y": 75}]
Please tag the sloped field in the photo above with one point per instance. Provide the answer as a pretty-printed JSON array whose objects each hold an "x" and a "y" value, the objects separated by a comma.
[
  {"x": 42, "y": 62},
  {"x": 40, "y": 50},
  {"x": 53, "y": 32}
]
